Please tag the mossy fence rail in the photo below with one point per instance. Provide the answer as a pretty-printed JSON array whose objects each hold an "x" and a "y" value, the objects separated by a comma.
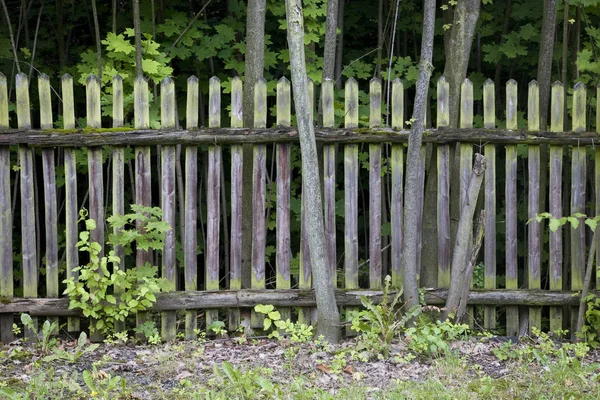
[{"x": 544, "y": 285}]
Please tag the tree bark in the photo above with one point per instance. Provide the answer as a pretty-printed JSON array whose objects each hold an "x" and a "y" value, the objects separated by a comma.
[
  {"x": 12, "y": 38},
  {"x": 254, "y": 58},
  {"x": 98, "y": 43},
  {"x": 459, "y": 277},
  {"x": 565, "y": 52},
  {"x": 411, "y": 203},
  {"x": 138, "y": 38},
  {"x": 458, "y": 51},
  {"x": 544, "y": 71},
  {"x": 328, "y": 315},
  {"x": 340, "y": 46}
]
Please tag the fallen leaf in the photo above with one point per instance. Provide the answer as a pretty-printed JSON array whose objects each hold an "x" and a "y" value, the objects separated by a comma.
[
  {"x": 349, "y": 370},
  {"x": 323, "y": 368}
]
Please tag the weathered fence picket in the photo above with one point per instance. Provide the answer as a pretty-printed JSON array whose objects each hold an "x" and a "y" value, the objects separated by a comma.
[
  {"x": 512, "y": 271},
  {"x": 578, "y": 183},
  {"x": 218, "y": 277},
  {"x": 555, "y": 202},
  {"x": 489, "y": 257},
  {"x": 143, "y": 181},
  {"x": 283, "y": 178},
  {"x": 118, "y": 176},
  {"x": 6, "y": 220},
  {"x": 443, "y": 187},
  {"x": 191, "y": 190}
]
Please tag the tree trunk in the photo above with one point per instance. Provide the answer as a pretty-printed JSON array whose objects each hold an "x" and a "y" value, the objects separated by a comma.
[
  {"x": 138, "y": 38},
  {"x": 12, "y": 39},
  {"x": 565, "y": 52},
  {"x": 466, "y": 15},
  {"x": 459, "y": 275},
  {"x": 254, "y": 58},
  {"x": 379, "y": 39},
  {"x": 98, "y": 44},
  {"x": 328, "y": 315},
  {"x": 544, "y": 72},
  {"x": 340, "y": 46},
  {"x": 411, "y": 206}
]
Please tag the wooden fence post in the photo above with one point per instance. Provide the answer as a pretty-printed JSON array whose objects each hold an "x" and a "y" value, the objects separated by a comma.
[
  {"x": 190, "y": 240},
  {"x": 28, "y": 206},
  {"x": 397, "y": 201},
  {"x": 375, "y": 266},
  {"x": 329, "y": 186},
  {"x": 118, "y": 177},
  {"x": 489, "y": 281},
  {"x": 259, "y": 186},
  {"x": 283, "y": 256},
  {"x": 443, "y": 189},
  {"x": 556, "y": 169},
  {"x": 578, "y": 176},
  {"x": 50, "y": 209},
  {"x": 533, "y": 206},
  {"x": 143, "y": 178},
  {"x": 6, "y": 220},
  {"x": 512, "y": 274},
  {"x": 237, "y": 166},
  {"x": 169, "y": 261}
]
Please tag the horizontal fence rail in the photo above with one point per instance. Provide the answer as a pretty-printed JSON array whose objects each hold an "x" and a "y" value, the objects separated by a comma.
[{"x": 195, "y": 175}]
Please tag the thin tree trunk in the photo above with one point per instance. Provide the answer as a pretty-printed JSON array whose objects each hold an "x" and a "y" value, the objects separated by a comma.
[
  {"x": 459, "y": 275},
  {"x": 544, "y": 72},
  {"x": 329, "y": 51},
  {"x": 328, "y": 315},
  {"x": 37, "y": 30},
  {"x": 379, "y": 39},
  {"x": 339, "y": 51},
  {"x": 98, "y": 43},
  {"x": 565, "y": 52},
  {"x": 254, "y": 58},
  {"x": 138, "y": 38},
  {"x": 12, "y": 38},
  {"x": 114, "y": 16},
  {"x": 411, "y": 237}
]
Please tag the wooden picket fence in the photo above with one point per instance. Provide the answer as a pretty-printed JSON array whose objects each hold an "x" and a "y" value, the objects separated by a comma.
[{"x": 338, "y": 145}]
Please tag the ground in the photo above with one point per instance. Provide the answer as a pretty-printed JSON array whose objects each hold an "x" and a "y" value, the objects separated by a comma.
[{"x": 266, "y": 368}]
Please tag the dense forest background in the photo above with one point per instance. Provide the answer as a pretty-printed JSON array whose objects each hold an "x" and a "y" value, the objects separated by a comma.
[{"x": 57, "y": 37}]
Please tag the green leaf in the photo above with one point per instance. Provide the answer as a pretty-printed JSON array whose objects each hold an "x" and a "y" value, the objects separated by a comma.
[
  {"x": 266, "y": 324},
  {"x": 111, "y": 299},
  {"x": 554, "y": 224}
]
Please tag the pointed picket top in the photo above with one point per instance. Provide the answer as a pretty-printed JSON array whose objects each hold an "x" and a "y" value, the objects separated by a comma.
[
  {"x": 557, "y": 107},
  {"x": 260, "y": 103},
  {"x": 237, "y": 113},
  {"x": 533, "y": 106},
  {"x": 117, "y": 83},
  {"x": 191, "y": 108},
  {"x": 68, "y": 101},
  {"x": 489, "y": 104},
  {"x": 351, "y": 104},
  {"x": 466, "y": 104},
  {"x": 284, "y": 102},
  {"x": 327, "y": 103},
  {"x": 375, "y": 102},
  {"x": 397, "y": 104},
  {"x": 23, "y": 105},
  {"x": 167, "y": 104},
  {"x": 3, "y": 102},
  {"x": 92, "y": 90},
  {"x": 214, "y": 102},
  {"x": 511, "y": 105},
  {"x": 443, "y": 100},
  {"x": 579, "y": 106},
  {"x": 141, "y": 103},
  {"x": 45, "y": 101}
]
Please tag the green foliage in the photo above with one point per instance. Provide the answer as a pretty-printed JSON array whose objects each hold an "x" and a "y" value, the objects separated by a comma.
[
  {"x": 296, "y": 332},
  {"x": 101, "y": 385},
  {"x": 46, "y": 341},
  {"x": 72, "y": 356},
  {"x": 433, "y": 338},
  {"x": 110, "y": 295},
  {"x": 149, "y": 330},
  {"x": 542, "y": 349},
  {"x": 379, "y": 324},
  {"x": 238, "y": 384},
  {"x": 590, "y": 332}
]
